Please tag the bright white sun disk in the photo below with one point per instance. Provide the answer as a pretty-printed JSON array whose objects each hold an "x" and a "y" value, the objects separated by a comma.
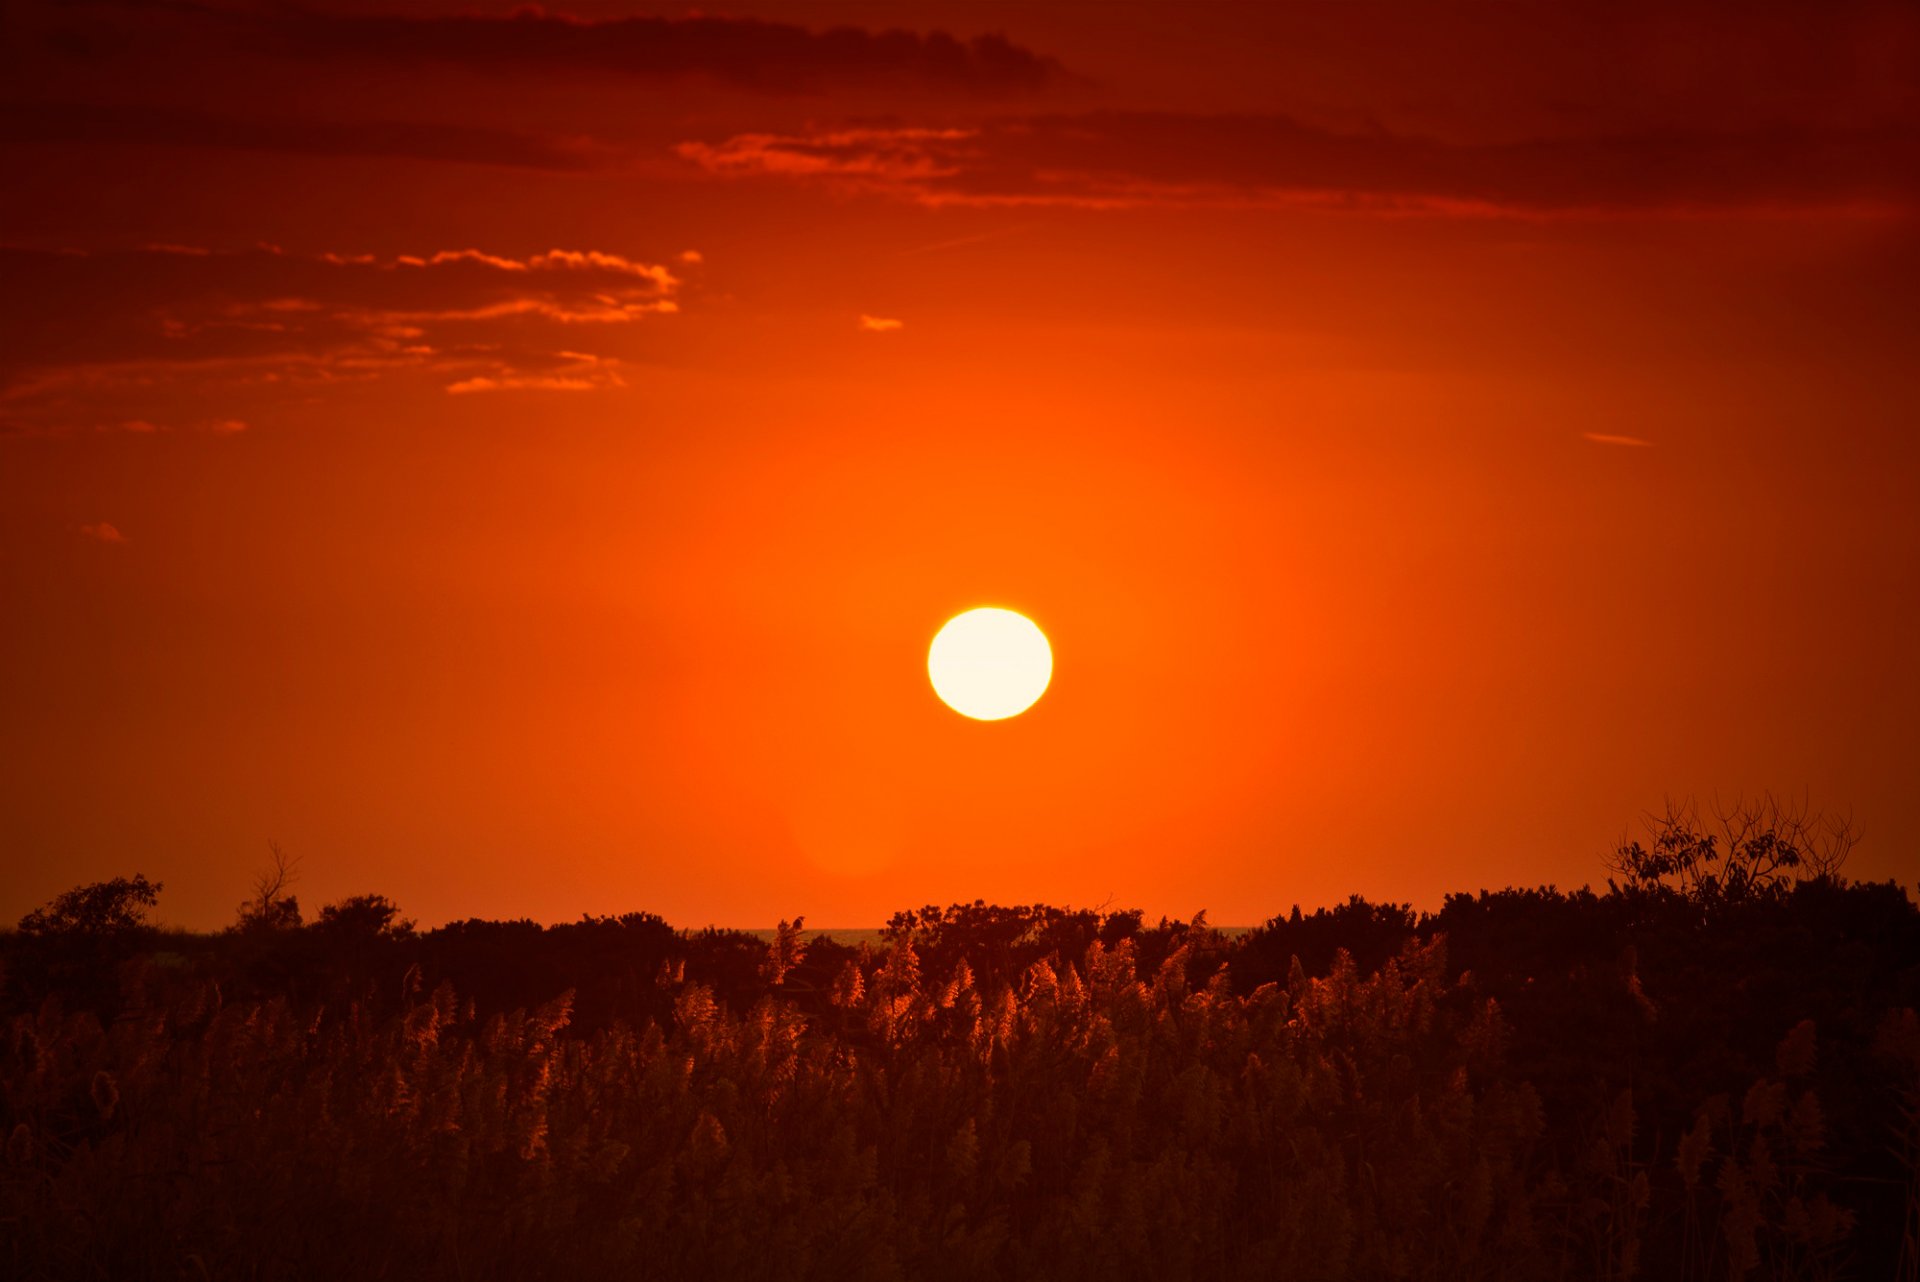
[{"x": 990, "y": 664}]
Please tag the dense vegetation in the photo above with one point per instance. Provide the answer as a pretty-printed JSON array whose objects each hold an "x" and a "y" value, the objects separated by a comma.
[{"x": 1665, "y": 1079}]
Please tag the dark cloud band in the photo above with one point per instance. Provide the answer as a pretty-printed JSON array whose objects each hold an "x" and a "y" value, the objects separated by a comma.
[
  {"x": 1128, "y": 158},
  {"x": 409, "y": 140},
  {"x": 746, "y": 53}
]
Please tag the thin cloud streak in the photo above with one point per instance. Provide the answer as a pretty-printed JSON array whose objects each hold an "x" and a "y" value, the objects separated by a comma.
[
  {"x": 573, "y": 372},
  {"x": 1106, "y": 160},
  {"x": 751, "y": 54},
  {"x": 190, "y": 328}
]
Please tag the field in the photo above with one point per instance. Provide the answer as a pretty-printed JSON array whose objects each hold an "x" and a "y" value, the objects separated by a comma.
[{"x": 1527, "y": 1084}]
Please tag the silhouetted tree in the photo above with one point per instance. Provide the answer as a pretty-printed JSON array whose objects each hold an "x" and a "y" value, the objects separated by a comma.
[
  {"x": 1000, "y": 943},
  {"x": 1752, "y": 849},
  {"x": 270, "y": 907},
  {"x": 363, "y": 917},
  {"x": 73, "y": 945},
  {"x": 1370, "y": 933},
  {"x": 96, "y": 910}
]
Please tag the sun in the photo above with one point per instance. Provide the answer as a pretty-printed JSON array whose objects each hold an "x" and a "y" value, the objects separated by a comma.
[{"x": 989, "y": 663}]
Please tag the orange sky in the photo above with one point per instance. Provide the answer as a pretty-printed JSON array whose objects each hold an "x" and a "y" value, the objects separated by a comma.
[{"x": 448, "y": 444}]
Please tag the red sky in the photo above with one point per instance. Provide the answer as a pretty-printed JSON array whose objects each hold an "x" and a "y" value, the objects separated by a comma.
[{"x": 448, "y": 443}]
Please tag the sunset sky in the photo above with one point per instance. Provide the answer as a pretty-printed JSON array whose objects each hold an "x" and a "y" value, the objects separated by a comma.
[{"x": 517, "y": 459}]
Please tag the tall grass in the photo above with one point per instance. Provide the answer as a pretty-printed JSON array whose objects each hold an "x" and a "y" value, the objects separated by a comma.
[{"x": 1092, "y": 1121}]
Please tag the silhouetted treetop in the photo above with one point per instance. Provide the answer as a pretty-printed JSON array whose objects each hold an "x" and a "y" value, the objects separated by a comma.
[
  {"x": 271, "y": 907},
  {"x": 1751, "y": 848},
  {"x": 363, "y": 917},
  {"x": 98, "y": 909}
]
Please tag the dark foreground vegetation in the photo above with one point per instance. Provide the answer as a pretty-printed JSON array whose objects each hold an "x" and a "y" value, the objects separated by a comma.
[{"x": 1710, "y": 1071}]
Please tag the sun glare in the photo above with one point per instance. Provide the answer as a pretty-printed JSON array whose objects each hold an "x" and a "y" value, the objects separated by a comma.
[{"x": 990, "y": 664}]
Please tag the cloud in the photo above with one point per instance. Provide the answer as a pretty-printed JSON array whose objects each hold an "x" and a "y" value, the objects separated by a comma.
[
  {"x": 149, "y": 125},
  {"x": 556, "y": 259},
  {"x": 886, "y": 157},
  {"x": 1607, "y": 438},
  {"x": 164, "y": 335},
  {"x": 880, "y": 324},
  {"x": 570, "y": 372},
  {"x": 512, "y": 382},
  {"x": 1128, "y": 159},
  {"x": 743, "y": 53},
  {"x": 103, "y": 532}
]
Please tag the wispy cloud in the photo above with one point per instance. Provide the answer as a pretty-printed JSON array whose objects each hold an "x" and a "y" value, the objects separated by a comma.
[
  {"x": 890, "y": 158},
  {"x": 172, "y": 335},
  {"x": 1129, "y": 159},
  {"x": 749, "y": 54},
  {"x": 103, "y": 532},
  {"x": 521, "y": 382},
  {"x": 880, "y": 324},
  {"x": 1608, "y": 438},
  {"x": 571, "y": 372}
]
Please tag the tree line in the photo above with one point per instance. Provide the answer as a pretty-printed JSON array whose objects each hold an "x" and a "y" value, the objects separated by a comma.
[{"x": 1709, "y": 1069}]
